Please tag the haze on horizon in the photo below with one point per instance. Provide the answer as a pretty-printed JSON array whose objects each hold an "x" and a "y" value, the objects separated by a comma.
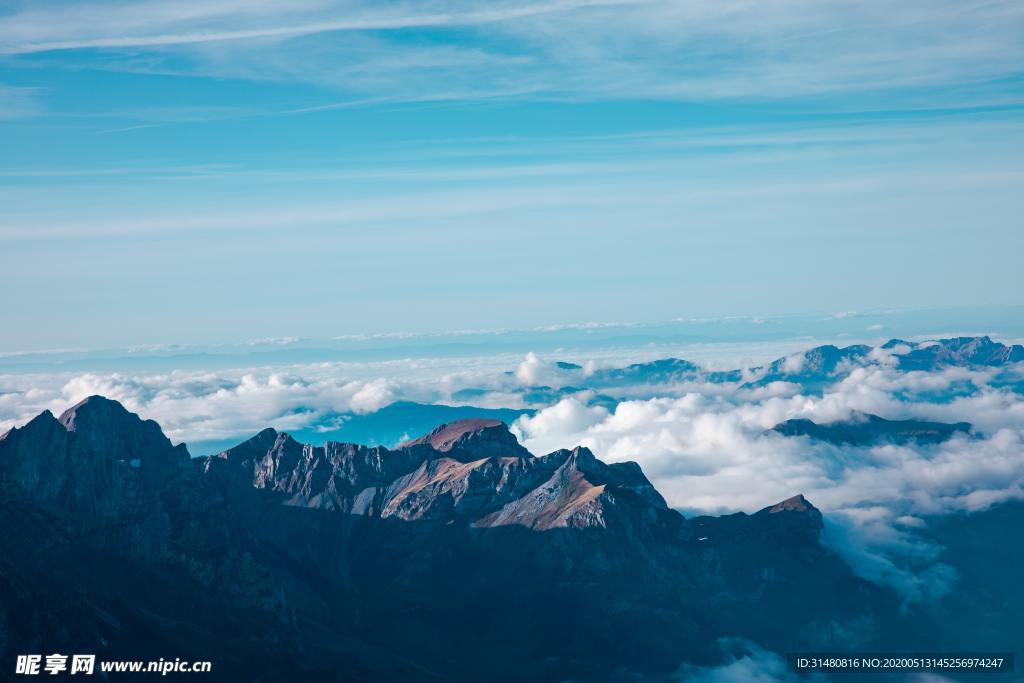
[{"x": 219, "y": 171}]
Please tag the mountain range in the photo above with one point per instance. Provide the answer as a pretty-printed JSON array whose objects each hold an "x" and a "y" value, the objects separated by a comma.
[
  {"x": 813, "y": 370},
  {"x": 458, "y": 555}
]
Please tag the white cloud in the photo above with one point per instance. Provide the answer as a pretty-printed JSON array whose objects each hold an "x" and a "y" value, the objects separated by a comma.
[
  {"x": 532, "y": 369},
  {"x": 565, "y": 49},
  {"x": 199, "y": 406},
  {"x": 569, "y": 414},
  {"x": 145, "y": 24},
  {"x": 746, "y": 662},
  {"x": 794, "y": 363},
  {"x": 273, "y": 341},
  {"x": 713, "y": 453},
  {"x": 885, "y": 554},
  {"x": 536, "y": 371},
  {"x": 18, "y": 103},
  {"x": 372, "y": 396}
]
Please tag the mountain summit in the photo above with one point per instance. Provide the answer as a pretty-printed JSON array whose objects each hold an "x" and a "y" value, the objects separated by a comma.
[
  {"x": 479, "y": 437},
  {"x": 108, "y": 427}
]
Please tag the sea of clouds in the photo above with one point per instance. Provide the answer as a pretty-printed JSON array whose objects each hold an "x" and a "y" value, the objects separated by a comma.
[{"x": 708, "y": 447}]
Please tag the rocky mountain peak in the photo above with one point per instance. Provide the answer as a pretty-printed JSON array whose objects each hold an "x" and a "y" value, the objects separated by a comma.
[
  {"x": 582, "y": 456},
  {"x": 794, "y": 517},
  {"x": 74, "y": 468},
  {"x": 113, "y": 432},
  {"x": 472, "y": 438},
  {"x": 795, "y": 504},
  {"x": 978, "y": 350},
  {"x": 959, "y": 351},
  {"x": 42, "y": 424},
  {"x": 91, "y": 408}
]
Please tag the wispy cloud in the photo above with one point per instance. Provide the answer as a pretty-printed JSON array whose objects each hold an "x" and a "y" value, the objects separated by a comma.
[
  {"x": 508, "y": 157},
  {"x": 665, "y": 171},
  {"x": 18, "y": 103},
  {"x": 34, "y": 30},
  {"x": 569, "y": 49}
]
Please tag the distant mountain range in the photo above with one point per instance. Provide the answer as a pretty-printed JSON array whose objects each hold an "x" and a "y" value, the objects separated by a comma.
[
  {"x": 831, "y": 363},
  {"x": 457, "y": 555},
  {"x": 812, "y": 370}
]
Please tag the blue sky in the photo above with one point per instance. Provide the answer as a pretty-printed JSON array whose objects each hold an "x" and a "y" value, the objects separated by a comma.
[{"x": 219, "y": 171}]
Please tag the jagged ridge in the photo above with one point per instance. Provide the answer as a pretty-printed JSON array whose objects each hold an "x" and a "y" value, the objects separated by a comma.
[{"x": 279, "y": 559}]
